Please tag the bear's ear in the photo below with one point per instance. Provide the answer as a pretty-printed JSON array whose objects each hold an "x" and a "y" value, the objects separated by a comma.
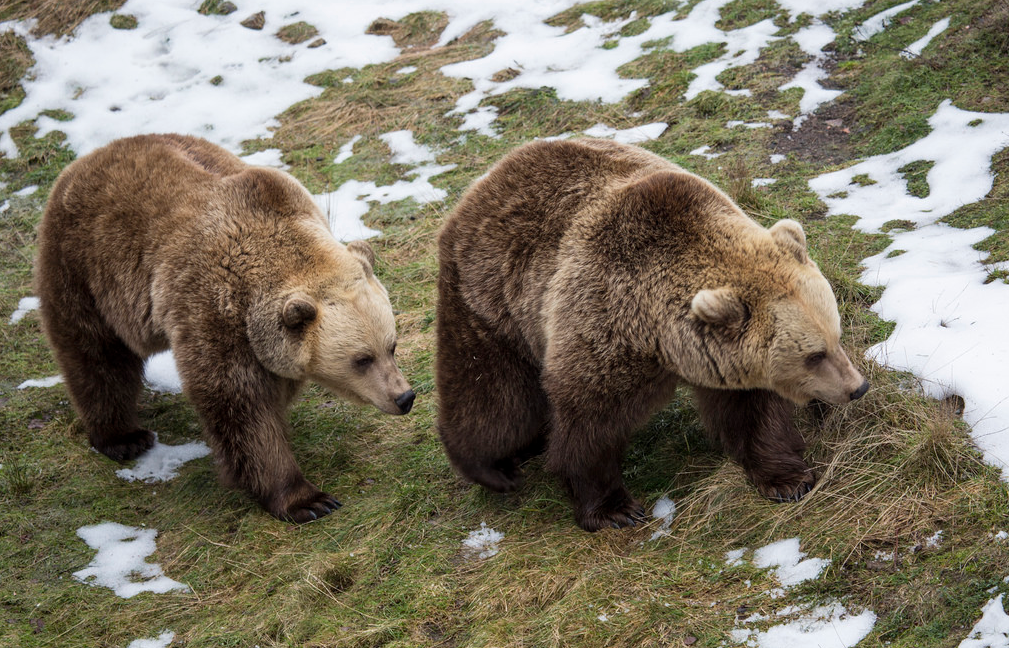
[
  {"x": 719, "y": 306},
  {"x": 299, "y": 309},
  {"x": 365, "y": 254},
  {"x": 789, "y": 236}
]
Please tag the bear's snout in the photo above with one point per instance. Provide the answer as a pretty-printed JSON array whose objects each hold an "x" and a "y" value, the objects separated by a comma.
[
  {"x": 405, "y": 401},
  {"x": 860, "y": 392}
]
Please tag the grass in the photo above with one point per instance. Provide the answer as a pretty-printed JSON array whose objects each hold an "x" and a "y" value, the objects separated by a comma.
[{"x": 388, "y": 569}]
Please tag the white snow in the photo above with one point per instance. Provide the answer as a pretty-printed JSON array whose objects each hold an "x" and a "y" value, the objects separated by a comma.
[
  {"x": 703, "y": 152},
  {"x": 763, "y": 182},
  {"x": 405, "y": 150},
  {"x": 949, "y": 324},
  {"x": 914, "y": 49},
  {"x": 409, "y": 69},
  {"x": 880, "y": 21},
  {"x": 787, "y": 560},
  {"x": 267, "y": 157},
  {"x": 826, "y": 626},
  {"x": 992, "y": 630},
  {"x": 161, "y": 375},
  {"x": 50, "y": 381},
  {"x": 735, "y": 123},
  {"x": 735, "y": 557},
  {"x": 776, "y": 158},
  {"x": 162, "y": 462},
  {"x": 161, "y": 641},
  {"x": 633, "y": 135},
  {"x": 934, "y": 540},
  {"x": 26, "y": 191},
  {"x": 664, "y": 510},
  {"x": 347, "y": 150},
  {"x": 120, "y": 565},
  {"x": 483, "y": 542},
  {"x": 25, "y": 306}
]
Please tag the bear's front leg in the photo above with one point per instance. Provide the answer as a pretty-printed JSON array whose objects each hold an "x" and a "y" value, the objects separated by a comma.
[
  {"x": 756, "y": 430},
  {"x": 243, "y": 409},
  {"x": 587, "y": 440}
]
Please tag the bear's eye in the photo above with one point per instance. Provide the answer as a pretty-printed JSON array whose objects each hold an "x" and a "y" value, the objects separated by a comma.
[
  {"x": 814, "y": 359},
  {"x": 392, "y": 349},
  {"x": 363, "y": 362}
]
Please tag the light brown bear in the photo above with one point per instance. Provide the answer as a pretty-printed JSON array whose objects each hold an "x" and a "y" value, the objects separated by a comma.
[
  {"x": 166, "y": 241},
  {"x": 581, "y": 280}
]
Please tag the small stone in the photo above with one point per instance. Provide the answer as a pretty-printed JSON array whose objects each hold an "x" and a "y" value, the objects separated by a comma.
[
  {"x": 318, "y": 42},
  {"x": 256, "y": 21}
]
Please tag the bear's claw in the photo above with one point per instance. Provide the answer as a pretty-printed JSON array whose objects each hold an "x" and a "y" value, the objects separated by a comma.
[
  {"x": 788, "y": 492},
  {"x": 320, "y": 505},
  {"x": 627, "y": 514}
]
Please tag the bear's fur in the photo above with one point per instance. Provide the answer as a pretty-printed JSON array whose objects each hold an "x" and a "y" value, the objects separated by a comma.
[
  {"x": 581, "y": 280},
  {"x": 167, "y": 241}
]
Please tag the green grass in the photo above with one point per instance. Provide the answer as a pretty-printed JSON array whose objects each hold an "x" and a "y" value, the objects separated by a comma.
[{"x": 388, "y": 569}]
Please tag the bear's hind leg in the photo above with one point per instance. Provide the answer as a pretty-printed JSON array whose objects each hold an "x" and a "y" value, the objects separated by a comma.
[
  {"x": 491, "y": 410},
  {"x": 756, "y": 430},
  {"x": 103, "y": 377}
]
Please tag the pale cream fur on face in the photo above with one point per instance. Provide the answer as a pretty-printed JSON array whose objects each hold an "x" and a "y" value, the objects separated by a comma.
[
  {"x": 354, "y": 357},
  {"x": 806, "y": 357}
]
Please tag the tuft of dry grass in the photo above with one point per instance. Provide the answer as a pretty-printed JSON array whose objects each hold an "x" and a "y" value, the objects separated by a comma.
[{"x": 56, "y": 17}]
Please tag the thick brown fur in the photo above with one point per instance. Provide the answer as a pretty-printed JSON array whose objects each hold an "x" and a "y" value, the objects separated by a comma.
[
  {"x": 581, "y": 280},
  {"x": 167, "y": 241}
]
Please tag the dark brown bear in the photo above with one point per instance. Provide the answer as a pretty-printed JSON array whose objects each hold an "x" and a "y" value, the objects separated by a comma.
[
  {"x": 165, "y": 241},
  {"x": 581, "y": 280}
]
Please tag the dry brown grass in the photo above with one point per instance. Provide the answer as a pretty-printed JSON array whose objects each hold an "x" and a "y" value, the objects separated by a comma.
[{"x": 57, "y": 17}]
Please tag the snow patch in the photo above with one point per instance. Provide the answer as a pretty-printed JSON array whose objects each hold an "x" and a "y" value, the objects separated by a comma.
[
  {"x": 787, "y": 561},
  {"x": 162, "y": 462},
  {"x": 914, "y": 49},
  {"x": 120, "y": 565},
  {"x": 664, "y": 510},
  {"x": 51, "y": 381},
  {"x": 633, "y": 135},
  {"x": 161, "y": 374},
  {"x": 482, "y": 543},
  {"x": 25, "y": 306},
  {"x": 703, "y": 152},
  {"x": 992, "y": 630},
  {"x": 161, "y": 641},
  {"x": 949, "y": 323},
  {"x": 826, "y": 626},
  {"x": 347, "y": 150}
]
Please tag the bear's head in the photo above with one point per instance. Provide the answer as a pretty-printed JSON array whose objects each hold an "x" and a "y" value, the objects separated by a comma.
[
  {"x": 335, "y": 327},
  {"x": 781, "y": 324}
]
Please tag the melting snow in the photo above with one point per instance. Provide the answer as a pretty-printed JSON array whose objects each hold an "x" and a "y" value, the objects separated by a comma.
[
  {"x": 347, "y": 150},
  {"x": 914, "y": 49},
  {"x": 664, "y": 510},
  {"x": 25, "y": 306},
  {"x": 787, "y": 560},
  {"x": 162, "y": 462},
  {"x": 482, "y": 543},
  {"x": 949, "y": 322},
  {"x": 992, "y": 630},
  {"x": 120, "y": 565},
  {"x": 161, "y": 641},
  {"x": 51, "y": 381},
  {"x": 826, "y": 626}
]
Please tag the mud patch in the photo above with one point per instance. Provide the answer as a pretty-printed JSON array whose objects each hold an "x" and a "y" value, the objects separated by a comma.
[{"x": 824, "y": 137}]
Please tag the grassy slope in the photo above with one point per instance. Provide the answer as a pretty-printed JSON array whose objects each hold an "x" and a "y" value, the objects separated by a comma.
[{"x": 388, "y": 568}]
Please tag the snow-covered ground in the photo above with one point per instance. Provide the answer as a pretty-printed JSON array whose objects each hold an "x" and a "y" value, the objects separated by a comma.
[{"x": 209, "y": 76}]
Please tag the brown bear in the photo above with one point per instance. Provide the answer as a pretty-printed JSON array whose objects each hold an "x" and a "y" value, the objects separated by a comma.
[
  {"x": 581, "y": 280},
  {"x": 167, "y": 241}
]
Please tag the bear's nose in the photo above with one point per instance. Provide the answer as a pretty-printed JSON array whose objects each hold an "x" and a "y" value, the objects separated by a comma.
[
  {"x": 405, "y": 401},
  {"x": 860, "y": 392}
]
